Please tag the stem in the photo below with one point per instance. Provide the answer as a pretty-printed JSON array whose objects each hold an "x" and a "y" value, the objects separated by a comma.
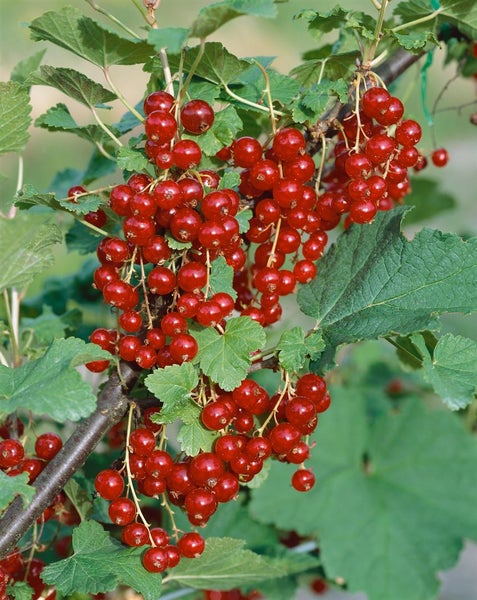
[
  {"x": 371, "y": 50},
  {"x": 418, "y": 21},
  {"x": 12, "y": 331},
  {"x": 140, "y": 9},
  {"x": 132, "y": 408},
  {"x": 249, "y": 102},
  {"x": 167, "y": 71},
  {"x": 121, "y": 97},
  {"x": 112, "y": 404},
  {"x": 269, "y": 95},
  {"x": 193, "y": 68},
  {"x": 13, "y": 209},
  {"x": 114, "y": 19},
  {"x": 104, "y": 128}
]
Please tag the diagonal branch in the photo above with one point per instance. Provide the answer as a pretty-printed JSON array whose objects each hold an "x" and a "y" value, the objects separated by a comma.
[{"x": 112, "y": 404}]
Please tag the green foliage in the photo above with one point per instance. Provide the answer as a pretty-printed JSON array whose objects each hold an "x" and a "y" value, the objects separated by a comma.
[
  {"x": 10, "y": 487},
  {"x": 404, "y": 480},
  {"x": 99, "y": 564},
  {"x": 221, "y": 278},
  {"x": 131, "y": 160},
  {"x": 173, "y": 39},
  {"x": 451, "y": 368},
  {"x": 217, "y": 64},
  {"x": 71, "y": 30},
  {"x": 193, "y": 436},
  {"x": 15, "y": 111},
  {"x": 294, "y": 347},
  {"x": 320, "y": 23},
  {"x": 427, "y": 200},
  {"x": 173, "y": 385},
  {"x": 225, "y": 564},
  {"x": 25, "y": 67},
  {"x": 211, "y": 17},
  {"x": 72, "y": 83},
  {"x": 48, "y": 325},
  {"x": 388, "y": 284},
  {"x": 20, "y": 591},
  {"x": 225, "y": 358},
  {"x": 51, "y": 385},
  {"x": 26, "y": 249}
]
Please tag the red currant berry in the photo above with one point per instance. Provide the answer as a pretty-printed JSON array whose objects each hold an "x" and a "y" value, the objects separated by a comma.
[
  {"x": 109, "y": 484},
  {"x": 122, "y": 511},
  {"x": 303, "y": 480},
  {"x": 197, "y": 116},
  {"x": 48, "y": 445},
  {"x": 191, "y": 545}
]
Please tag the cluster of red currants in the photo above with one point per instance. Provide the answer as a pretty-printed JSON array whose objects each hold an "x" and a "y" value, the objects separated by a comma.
[
  {"x": 156, "y": 276},
  {"x": 14, "y": 461},
  {"x": 374, "y": 151}
]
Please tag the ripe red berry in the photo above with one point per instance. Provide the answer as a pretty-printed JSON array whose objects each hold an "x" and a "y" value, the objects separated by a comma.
[
  {"x": 197, "y": 116},
  {"x": 11, "y": 453},
  {"x": 109, "y": 484},
  {"x": 158, "y": 101},
  {"x": 135, "y": 534},
  {"x": 288, "y": 143},
  {"x": 48, "y": 445},
  {"x": 155, "y": 560},
  {"x": 303, "y": 480},
  {"x": 191, "y": 545},
  {"x": 122, "y": 511},
  {"x": 440, "y": 157}
]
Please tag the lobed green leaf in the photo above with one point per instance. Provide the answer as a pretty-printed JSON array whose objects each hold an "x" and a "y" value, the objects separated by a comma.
[
  {"x": 405, "y": 481},
  {"x": 26, "y": 249},
  {"x": 51, "y": 385},
  {"x": 225, "y": 358},
  {"x": 374, "y": 282},
  {"x": 68, "y": 28},
  {"x": 15, "y": 118},
  {"x": 10, "y": 487},
  {"x": 99, "y": 564}
]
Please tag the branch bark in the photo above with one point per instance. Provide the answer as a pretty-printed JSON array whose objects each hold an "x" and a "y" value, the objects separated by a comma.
[{"x": 112, "y": 404}]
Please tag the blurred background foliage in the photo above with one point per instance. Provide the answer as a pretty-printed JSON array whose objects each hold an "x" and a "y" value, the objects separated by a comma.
[{"x": 284, "y": 38}]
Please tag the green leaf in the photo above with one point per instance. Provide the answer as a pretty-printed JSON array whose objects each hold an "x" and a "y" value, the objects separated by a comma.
[
  {"x": 99, "y": 564},
  {"x": 194, "y": 437},
  {"x": 374, "y": 282},
  {"x": 427, "y": 199},
  {"x": 131, "y": 160},
  {"x": 173, "y": 386},
  {"x": 225, "y": 358},
  {"x": 415, "y": 40},
  {"x": 221, "y": 278},
  {"x": 211, "y": 17},
  {"x": 10, "y": 487},
  {"x": 25, "y": 67},
  {"x": 20, "y": 591},
  {"x": 80, "y": 499},
  {"x": 312, "y": 104},
  {"x": 405, "y": 481},
  {"x": 282, "y": 87},
  {"x": 25, "y": 248},
  {"x": 224, "y": 565},
  {"x": 58, "y": 118},
  {"x": 320, "y": 23},
  {"x": 15, "y": 118},
  {"x": 226, "y": 125},
  {"x": 243, "y": 217},
  {"x": 51, "y": 385},
  {"x": 294, "y": 347},
  {"x": 72, "y": 83},
  {"x": 229, "y": 180},
  {"x": 48, "y": 326},
  {"x": 68, "y": 28},
  {"x": 173, "y": 39},
  {"x": 451, "y": 369},
  {"x": 217, "y": 64},
  {"x": 323, "y": 61},
  {"x": 82, "y": 239}
]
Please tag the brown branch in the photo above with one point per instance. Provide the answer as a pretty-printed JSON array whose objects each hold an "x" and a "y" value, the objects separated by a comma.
[{"x": 112, "y": 404}]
